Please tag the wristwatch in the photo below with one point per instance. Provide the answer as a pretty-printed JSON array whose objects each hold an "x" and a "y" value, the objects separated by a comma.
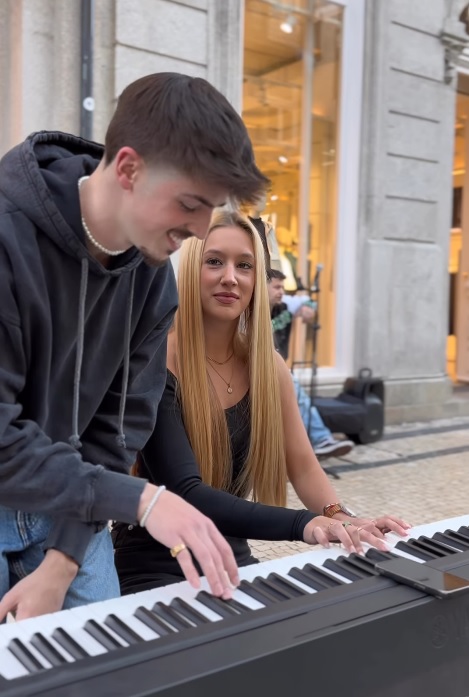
[{"x": 332, "y": 508}]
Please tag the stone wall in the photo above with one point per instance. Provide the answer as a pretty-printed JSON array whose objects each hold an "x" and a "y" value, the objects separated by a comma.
[{"x": 405, "y": 203}]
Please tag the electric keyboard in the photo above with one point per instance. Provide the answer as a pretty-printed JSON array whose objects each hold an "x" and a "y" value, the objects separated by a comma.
[{"x": 322, "y": 619}]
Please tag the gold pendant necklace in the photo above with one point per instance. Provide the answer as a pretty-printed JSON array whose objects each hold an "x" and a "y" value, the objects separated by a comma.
[{"x": 229, "y": 389}]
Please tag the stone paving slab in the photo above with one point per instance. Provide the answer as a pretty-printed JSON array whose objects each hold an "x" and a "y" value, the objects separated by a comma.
[{"x": 420, "y": 491}]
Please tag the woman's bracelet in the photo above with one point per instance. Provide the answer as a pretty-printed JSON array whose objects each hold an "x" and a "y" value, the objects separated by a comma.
[{"x": 148, "y": 509}]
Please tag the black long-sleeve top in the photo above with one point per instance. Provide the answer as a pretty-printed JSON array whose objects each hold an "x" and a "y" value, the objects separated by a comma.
[{"x": 168, "y": 459}]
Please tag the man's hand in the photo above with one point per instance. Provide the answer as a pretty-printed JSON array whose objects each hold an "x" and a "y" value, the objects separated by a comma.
[
  {"x": 172, "y": 522},
  {"x": 43, "y": 590},
  {"x": 307, "y": 314}
]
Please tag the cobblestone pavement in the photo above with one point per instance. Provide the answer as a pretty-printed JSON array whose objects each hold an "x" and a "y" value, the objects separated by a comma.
[{"x": 418, "y": 471}]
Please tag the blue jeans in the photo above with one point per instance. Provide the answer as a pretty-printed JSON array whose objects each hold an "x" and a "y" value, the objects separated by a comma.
[
  {"x": 22, "y": 538},
  {"x": 310, "y": 416}
]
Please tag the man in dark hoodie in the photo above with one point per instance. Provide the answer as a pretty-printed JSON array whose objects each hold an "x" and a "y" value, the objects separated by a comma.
[{"x": 86, "y": 299}]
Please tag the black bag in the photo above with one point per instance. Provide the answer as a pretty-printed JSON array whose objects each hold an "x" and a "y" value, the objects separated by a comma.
[{"x": 358, "y": 411}]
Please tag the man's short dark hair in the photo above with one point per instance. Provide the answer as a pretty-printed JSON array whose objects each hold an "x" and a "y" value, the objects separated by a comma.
[
  {"x": 273, "y": 273},
  {"x": 185, "y": 123}
]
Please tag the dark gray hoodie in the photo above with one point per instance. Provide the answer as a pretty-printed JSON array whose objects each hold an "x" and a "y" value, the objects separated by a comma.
[{"x": 82, "y": 349}]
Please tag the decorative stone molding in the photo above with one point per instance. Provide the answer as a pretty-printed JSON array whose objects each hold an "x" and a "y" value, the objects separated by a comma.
[{"x": 453, "y": 37}]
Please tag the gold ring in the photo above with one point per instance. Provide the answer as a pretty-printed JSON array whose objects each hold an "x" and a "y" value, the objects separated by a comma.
[{"x": 174, "y": 551}]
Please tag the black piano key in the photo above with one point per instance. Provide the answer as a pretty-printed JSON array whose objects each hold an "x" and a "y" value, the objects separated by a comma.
[
  {"x": 457, "y": 536},
  {"x": 46, "y": 649},
  {"x": 415, "y": 551},
  {"x": 464, "y": 531},
  {"x": 421, "y": 544},
  {"x": 68, "y": 643},
  {"x": 434, "y": 544},
  {"x": 322, "y": 576},
  {"x": 377, "y": 555},
  {"x": 338, "y": 566},
  {"x": 272, "y": 588},
  {"x": 293, "y": 590},
  {"x": 101, "y": 635},
  {"x": 260, "y": 594},
  {"x": 216, "y": 604},
  {"x": 239, "y": 607},
  {"x": 188, "y": 611},
  {"x": 300, "y": 575},
  {"x": 152, "y": 621},
  {"x": 361, "y": 563},
  {"x": 24, "y": 656},
  {"x": 171, "y": 616},
  {"x": 453, "y": 541},
  {"x": 122, "y": 629}
]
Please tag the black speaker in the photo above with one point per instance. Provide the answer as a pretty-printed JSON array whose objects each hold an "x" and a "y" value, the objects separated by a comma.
[{"x": 358, "y": 411}]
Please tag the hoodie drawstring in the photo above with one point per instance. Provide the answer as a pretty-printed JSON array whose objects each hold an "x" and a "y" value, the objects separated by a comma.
[
  {"x": 125, "y": 374},
  {"x": 74, "y": 439}
]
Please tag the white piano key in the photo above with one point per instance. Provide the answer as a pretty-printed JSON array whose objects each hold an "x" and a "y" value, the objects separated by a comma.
[{"x": 10, "y": 667}]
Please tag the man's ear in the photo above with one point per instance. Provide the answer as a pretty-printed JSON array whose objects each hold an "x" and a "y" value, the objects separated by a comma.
[{"x": 128, "y": 165}]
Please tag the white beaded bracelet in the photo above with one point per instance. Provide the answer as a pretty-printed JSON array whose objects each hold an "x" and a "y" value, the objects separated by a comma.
[{"x": 154, "y": 499}]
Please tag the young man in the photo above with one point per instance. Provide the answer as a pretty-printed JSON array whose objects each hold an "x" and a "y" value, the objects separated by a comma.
[
  {"x": 283, "y": 310},
  {"x": 87, "y": 297}
]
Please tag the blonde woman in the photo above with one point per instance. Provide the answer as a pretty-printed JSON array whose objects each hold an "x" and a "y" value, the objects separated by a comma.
[{"x": 228, "y": 423}]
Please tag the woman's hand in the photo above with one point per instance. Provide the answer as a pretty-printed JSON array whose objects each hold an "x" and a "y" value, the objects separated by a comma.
[
  {"x": 351, "y": 533},
  {"x": 378, "y": 526}
]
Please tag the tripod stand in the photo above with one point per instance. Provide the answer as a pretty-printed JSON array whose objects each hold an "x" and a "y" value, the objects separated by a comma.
[{"x": 312, "y": 331}]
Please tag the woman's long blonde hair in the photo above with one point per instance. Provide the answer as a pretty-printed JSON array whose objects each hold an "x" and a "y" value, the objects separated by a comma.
[{"x": 264, "y": 472}]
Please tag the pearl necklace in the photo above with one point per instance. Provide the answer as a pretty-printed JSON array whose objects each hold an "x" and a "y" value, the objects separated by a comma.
[{"x": 97, "y": 244}]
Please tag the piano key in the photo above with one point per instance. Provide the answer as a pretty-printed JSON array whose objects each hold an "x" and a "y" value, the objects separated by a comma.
[
  {"x": 67, "y": 642},
  {"x": 424, "y": 546},
  {"x": 464, "y": 531},
  {"x": 122, "y": 629},
  {"x": 342, "y": 569},
  {"x": 377, "y": 555},
  {"x": 241, "y": 608},
  {"x": 246, "y": 600},
  {"x": 456, "y": 544},
  {"x": 46, "y": 649},
  {"x": 331, "y": 580},
  {"x": 413, "y": 551},
  {"x": 188, "y": 611},
  {"x": 97, "y": 631},
  {"x": 10, "y": 666},
  {"x": 258, "y": 593},
  {"x": 151, "y": 620},
  {"x": 457, "y": 536},
  {"x": 436, "y": 545},
  {"x": 307, "y": 580},
  {"x": 294, "y": 590},
  {"x": 25, "y": 656},
  {"x": 216, "y": 604},
  {"x": 270, "y": 587},
  {"x": 171, "y": 616},
  {"x": 359, "y": 562}
]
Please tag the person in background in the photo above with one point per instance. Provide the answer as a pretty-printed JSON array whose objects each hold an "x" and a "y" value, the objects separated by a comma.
[
  {"x": 87, "y": 297},
  {"x": 228, "y": 425},
  {"x": 284, "y": 309}
]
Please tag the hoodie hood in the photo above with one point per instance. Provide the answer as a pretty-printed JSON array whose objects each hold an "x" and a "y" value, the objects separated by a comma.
[{"x": 40, "y": 177}]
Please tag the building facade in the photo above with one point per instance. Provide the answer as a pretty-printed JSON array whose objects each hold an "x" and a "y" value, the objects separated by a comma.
[{"x": 357, "y": 112}]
